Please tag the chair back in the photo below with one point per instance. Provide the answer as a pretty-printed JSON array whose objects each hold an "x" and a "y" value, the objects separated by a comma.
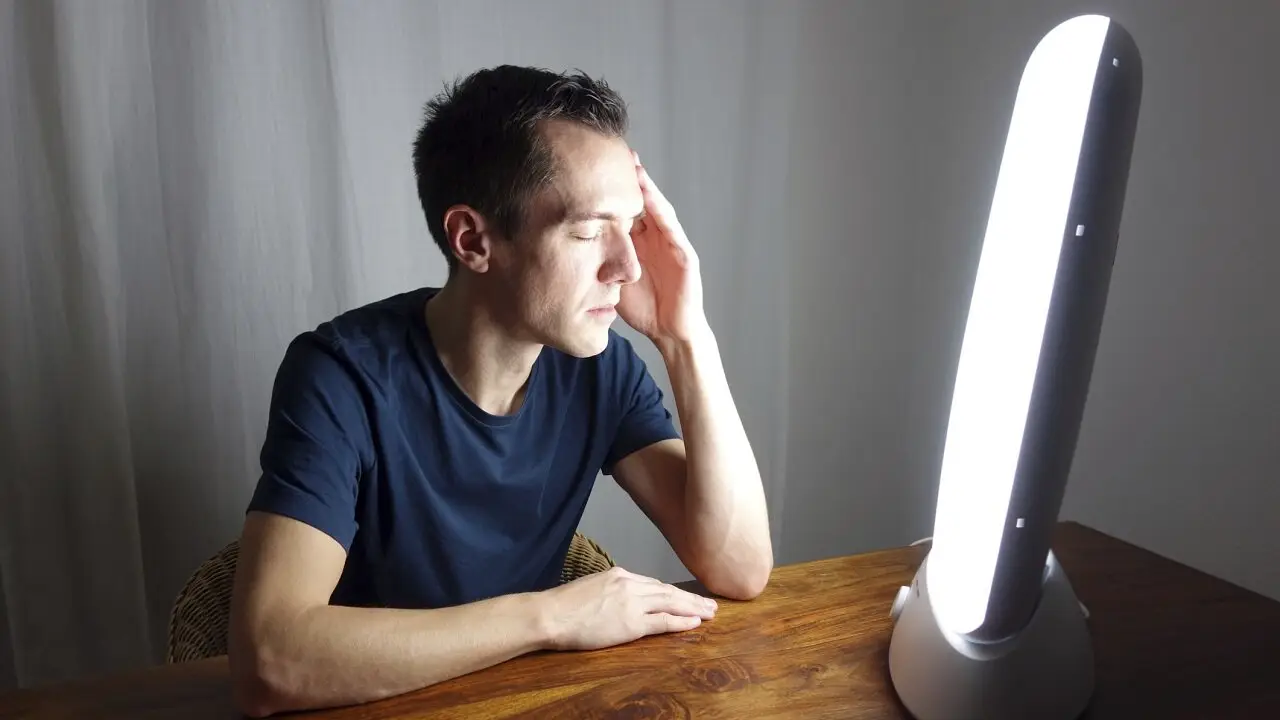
[{"x": 202, "y": 612}]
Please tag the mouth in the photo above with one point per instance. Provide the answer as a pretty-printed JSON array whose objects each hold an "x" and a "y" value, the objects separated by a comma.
[{"x": 602, "y": 311}]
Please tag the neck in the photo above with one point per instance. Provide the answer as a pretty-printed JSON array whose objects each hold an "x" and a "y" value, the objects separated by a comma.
[{"x": 484, "y": 358}]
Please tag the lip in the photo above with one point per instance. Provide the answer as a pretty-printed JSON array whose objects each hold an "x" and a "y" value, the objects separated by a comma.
[{"x": 603, "y": 310}]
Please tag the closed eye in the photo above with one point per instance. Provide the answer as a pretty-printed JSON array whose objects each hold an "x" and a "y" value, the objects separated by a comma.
[{"x": 585, "y": 220}]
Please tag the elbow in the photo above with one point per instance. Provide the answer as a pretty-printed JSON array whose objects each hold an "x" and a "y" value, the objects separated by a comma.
[
  {"x": 252, "y": 695},
  {"x": 253, "y": 699},
  {"x": 752, "y": 584},
  {"x": 742, "y": 582},
  {"x": 744, "y": 587},
  {"x": 255, "y": 693},
  {"x": 260, "y": 685},
  {"x": 754, "y": 575}
]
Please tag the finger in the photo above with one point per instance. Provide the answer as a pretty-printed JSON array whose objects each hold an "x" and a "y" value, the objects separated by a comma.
[
  {"x": 658, "y": 208},
  {"x": 660, "y": 215},
  {"x": 664, "y": 623},
  {"x": 656, "y": 204},
  {"x": 639, "y": 229},
  {"x": 678, "y": 602}
]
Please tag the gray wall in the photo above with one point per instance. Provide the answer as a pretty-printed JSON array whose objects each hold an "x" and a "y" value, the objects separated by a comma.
[
  {"x": 893, "y": 180},
  {"x": 850, "y": 206}
]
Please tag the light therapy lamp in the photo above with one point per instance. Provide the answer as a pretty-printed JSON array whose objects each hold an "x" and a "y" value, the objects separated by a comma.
[{"x": 990, "y": 626}]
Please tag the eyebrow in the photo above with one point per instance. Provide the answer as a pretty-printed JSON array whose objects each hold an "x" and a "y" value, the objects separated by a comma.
[{"x": 588, "y": 216}]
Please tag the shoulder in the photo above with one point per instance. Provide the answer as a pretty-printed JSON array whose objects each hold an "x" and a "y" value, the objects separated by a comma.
[
  {"x": 384, "y": 323},
  {"x": 334, "y": 377},
  {"x": 361, "y": 343}
]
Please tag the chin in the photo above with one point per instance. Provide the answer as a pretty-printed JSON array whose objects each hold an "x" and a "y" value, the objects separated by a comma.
[{"x": 583, "y": 344}]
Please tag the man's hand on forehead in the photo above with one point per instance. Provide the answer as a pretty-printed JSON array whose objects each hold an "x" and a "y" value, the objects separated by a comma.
[{"x": 665, "y": 304}]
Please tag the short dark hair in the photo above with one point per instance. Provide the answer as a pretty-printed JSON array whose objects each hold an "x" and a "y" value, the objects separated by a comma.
[{"x": 480, "y": 144}]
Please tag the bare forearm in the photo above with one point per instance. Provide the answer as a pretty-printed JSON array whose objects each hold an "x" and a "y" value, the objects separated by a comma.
[
  {"x": 726, "y": 519},
  {"x": 327, "y": 656}
]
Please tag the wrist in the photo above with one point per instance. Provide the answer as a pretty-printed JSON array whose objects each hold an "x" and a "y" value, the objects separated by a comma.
[
  {"x": 673, "y": 348},
  {"x": 542, "y": 619}
]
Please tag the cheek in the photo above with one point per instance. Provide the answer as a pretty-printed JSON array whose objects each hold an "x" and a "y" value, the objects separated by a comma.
[
  {"x": 543, "y": 286},
  {"x": 569, "y": 274},
  {"x": 553, "y": 278}
]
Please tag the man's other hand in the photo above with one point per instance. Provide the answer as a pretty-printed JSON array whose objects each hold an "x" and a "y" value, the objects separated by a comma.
[{"x": 617, "y": 606}]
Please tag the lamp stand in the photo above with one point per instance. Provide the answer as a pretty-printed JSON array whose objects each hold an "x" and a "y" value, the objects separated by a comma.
[{"x": 1045, "y": 672}]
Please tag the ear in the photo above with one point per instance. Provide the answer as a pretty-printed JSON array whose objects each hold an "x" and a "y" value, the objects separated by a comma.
[{"x": 470, "y": 238}]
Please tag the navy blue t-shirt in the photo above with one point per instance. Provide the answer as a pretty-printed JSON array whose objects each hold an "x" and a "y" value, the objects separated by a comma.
[{"x": 438, "y": 502}]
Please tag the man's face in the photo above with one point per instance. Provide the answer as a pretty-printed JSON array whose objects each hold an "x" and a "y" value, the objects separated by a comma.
[{"x": 562, "y": 274}]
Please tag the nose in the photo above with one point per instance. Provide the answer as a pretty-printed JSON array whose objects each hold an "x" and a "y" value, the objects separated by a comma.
[{"x": 621, "y": 264}]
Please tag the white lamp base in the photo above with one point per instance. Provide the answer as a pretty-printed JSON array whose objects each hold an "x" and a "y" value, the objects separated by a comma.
[{"x": 1044, "y": 672}]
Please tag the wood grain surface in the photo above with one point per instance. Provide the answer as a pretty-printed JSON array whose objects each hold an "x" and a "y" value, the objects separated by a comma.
[{"x": 1171, "y": 642}]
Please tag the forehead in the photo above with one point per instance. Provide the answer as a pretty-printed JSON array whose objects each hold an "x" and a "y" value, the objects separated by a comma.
[{"x": 593, "y": 174}]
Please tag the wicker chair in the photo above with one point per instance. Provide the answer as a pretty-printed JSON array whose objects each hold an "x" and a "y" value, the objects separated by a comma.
[{"x": 201, "y": 613}]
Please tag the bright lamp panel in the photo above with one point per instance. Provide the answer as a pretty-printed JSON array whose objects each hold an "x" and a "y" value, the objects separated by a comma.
[{"x": 1007, "y": 317}]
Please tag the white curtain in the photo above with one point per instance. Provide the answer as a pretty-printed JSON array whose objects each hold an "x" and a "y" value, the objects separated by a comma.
[{"x": 185, "y": 186}]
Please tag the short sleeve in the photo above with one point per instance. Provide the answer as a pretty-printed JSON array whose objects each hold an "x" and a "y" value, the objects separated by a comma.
[
  {"x": 643, "y": 419},
  {"x": 315, "y": 443}
]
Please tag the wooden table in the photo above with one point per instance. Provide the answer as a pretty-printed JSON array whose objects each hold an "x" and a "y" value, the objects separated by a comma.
[{"x": 1171, "y": 642}]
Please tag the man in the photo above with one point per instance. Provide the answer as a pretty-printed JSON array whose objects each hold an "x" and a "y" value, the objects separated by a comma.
[{"x": 428, "y": 457}]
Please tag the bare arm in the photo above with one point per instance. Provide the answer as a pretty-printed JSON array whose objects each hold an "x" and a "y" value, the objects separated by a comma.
[
  {"x": 705, "y": 493},
  {"x": 291, "y": 650}
]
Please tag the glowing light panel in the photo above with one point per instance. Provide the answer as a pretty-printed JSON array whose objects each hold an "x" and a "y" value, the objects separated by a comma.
[{"x": 1007, "y": 315}]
